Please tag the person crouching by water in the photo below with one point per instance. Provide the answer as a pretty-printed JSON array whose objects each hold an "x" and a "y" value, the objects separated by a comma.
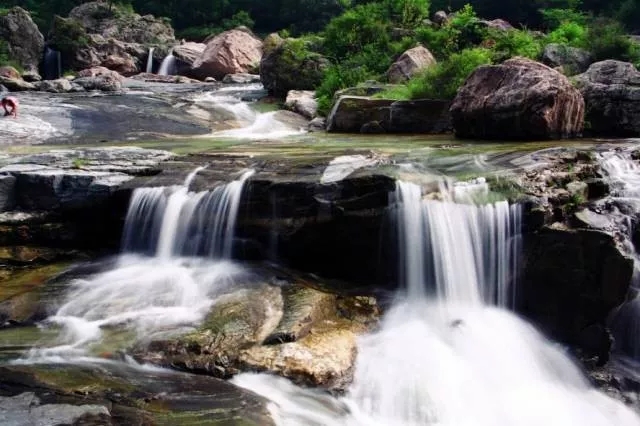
[{"x": 10, "y": 105}]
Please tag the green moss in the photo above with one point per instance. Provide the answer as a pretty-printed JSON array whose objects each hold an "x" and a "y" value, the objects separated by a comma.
[{"x": 21, "y": 281}]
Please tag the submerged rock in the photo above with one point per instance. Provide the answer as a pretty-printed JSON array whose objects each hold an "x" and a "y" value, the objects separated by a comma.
[
  {"x": 518, "y": 99},
  {"x": 611, "y": 91}
]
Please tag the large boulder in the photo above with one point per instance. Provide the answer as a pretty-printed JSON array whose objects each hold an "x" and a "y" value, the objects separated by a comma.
[
  {"x": 572, "y": 59},
  {"x": 95, "y": 34},
  {"x": 16, "y": 84},
  {"x": 23, "y": 40},
  {"x": 518, "y": 99},
  {"x": 611, "y": 91},
  {"x": 189, "y": 52},
  {"x": 119, "y": 23},
  {"x": 353, "y": 114},
  {"x": 290, "y": 64},
  {"x": 231, "y": 52},
  {"x": 410, "y": 63}
]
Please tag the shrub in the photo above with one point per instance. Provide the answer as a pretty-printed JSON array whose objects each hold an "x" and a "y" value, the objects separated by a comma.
[
  {"x": 570, "y": 33},
  {"x": 338, "y": 77},
  {"x": 607, "y": 40},
  {"x": 443, "y": 80},
  {"x": 553, "y": 18},
  {"x": 407, "y": 13},
  {"x": 506, "y": 44}
]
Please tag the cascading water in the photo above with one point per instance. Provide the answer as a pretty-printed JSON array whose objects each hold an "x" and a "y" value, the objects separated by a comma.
[
  {"x": 149, "y": 68},
  {"x": 252, "y": 124},
  {"x": 52, "y": 64},
  {"x": 447, "y": 353},
  {"x": 168, "y": 65},
  {"x": 623, "y": 176},
  {"x": 167, "y": 292}
]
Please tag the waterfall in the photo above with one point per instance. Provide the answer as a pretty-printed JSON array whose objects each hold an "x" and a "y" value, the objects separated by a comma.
[
  {"x": 171, "y": 221},
  {"x": 448, "y": 352},
  {"x": 149, "y": 68},
  {"x": 52, "y": 64},
  {"x": 622, "y": 174},
  {"x": 168, "y": 65},
  {"x": 168, "y": 291}
]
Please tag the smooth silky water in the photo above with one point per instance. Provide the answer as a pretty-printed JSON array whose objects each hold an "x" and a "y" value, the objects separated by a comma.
[
  {"x": 176, "y": 261},
  {"x": 449, "y": 352}
]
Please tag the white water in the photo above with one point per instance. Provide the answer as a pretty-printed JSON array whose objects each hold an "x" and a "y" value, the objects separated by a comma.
[
  {"x": 446, "y": 354},
  {"x": 251, "y": 123},
  {"x": 165, "y": 293},
  {"x": 168, "y": 65},
  {"x": 149, "y": 68},
  {"x": 623, "y": 176}
]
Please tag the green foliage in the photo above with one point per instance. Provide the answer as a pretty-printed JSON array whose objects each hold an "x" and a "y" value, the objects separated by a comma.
[
  {"x": 507, "y": 44},
  {"x": 461, "y": 32},
  {"x": 67, "y": 35},
  {"x": 554, "y": 18},
  {"x": 569, "y": 33},
  {"x": 200, "y": 33},
  {"x": 335, "y": 78},
  {"x": 606, "y": 39},
  {"x": 407, "y": 13},
  {"x": 443, "y": 80}
]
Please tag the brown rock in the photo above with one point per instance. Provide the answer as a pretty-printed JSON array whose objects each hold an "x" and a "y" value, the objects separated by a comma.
[
  {"x": 232, "y": 52},
  {"x": 518, "y": 99},
  {"x": 189, "y": 52},
  {"x": 9, "y": 72},
  {"x": 410, "y": 63}
]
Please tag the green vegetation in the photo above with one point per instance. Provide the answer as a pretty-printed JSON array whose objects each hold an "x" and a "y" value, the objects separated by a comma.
[{"x": 341, "y": 43}]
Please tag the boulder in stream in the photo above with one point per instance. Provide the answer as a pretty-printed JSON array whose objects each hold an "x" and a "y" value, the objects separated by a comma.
[
  {"x": 518, "y": 99},
  {"x": 611, "y": 91},
  {"x": 303, "y": 102},
  {"x": 231, "y": 52}
]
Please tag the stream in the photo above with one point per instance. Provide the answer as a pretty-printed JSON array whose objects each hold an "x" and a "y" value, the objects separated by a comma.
[{"x": 448, "y": 349}]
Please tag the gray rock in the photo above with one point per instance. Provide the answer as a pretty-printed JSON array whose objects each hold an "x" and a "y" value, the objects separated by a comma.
[
  {"x": 16, "y": 85},
  {"x": 102, "y": 83},
  {"x": 210, "y": 80},
  {"x": 440, "y": 17},
  {"x": 7, "y": 192},
  {"x": 24, "y": 41},
  {"x": 303, "y": 102},
  {"x": 611, "y": 91},
  {"x": 25, "y": 409},
  {"x": 571, "y": 59},
  {"x": 410, "y": 63},
  {"x": 31, "y": 76},
  {"x": 318, "y": 124},
  {"x": 241, "y": 78},
  {"x": 351, "y": 113},
  {"x": 189, "y": 52},
  {"x": 61, "y": 85}
]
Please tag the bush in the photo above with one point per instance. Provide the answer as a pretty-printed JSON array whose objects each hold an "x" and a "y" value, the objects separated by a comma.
[
  {"x": 607, "y": 40},
  {"x": 569, "y": 33},
  {"x": 461, "y": 32},
  {"x": 338, "y": 77},
  {"x": 443, "y": 80},
  {"x": 553, "y": 18},
  {"x": 408, "y": 13},
  {"x": 507, "y": 44}
]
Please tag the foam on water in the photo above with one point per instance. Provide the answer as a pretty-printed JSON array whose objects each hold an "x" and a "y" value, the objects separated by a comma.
[{"x": 447, "y": 352}]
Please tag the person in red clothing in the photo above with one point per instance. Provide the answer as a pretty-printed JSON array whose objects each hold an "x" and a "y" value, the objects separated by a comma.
[{"x": 10, "y": 105}]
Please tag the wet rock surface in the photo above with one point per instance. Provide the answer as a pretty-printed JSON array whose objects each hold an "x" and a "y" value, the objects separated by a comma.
[
  {"x": 120, "y": 395},
  {"x": 288, "y": 329}
]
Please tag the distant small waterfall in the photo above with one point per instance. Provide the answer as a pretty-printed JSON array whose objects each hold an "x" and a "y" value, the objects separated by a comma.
[
  {"x": 149, "y": 68},
  {"x": 52, "y": 64},
  {"x": 171, "y": 221},
  {"x": 168, "y": 65}
]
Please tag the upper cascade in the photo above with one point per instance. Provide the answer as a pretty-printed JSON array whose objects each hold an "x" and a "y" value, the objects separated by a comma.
[{"x": 171, "y": 221}]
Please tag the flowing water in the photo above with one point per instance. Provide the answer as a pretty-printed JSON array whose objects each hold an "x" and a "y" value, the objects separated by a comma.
[
  {"x": 250, "y": 124},
  {"x": 149, "y": 68},
  {"x": 447, "y": 352},
  {"x": 168, "y": 65},
  {"x": 168, "y": 291},
  {"x": 623, "y": 176},
  {"x": 52, "y": 64}
]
